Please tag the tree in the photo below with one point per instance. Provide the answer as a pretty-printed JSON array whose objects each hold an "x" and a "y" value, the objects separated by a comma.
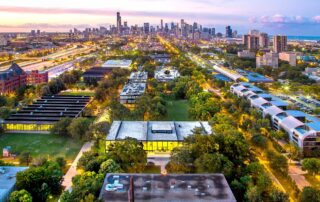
[
  {"x": 98, "y": 131},
  {"x": 214, "y": 163},
  {"x": 79, "y": 127},
  {"x": 279, "y": 196},
  {"x": 61, "y": 127},
  {"x": 25, "y": 158},
  {"x": 20, "y": 196},
  {"x": 89, "y": 183},
  {"x": 61, "y": 162},
  {"x": 5, "y": 112},
  {"x": 110, "y": 166},
  {"x": 278, "y": 162},
  {"x": 129, "y": 154},
  {"x": 41, "y": 181},
  {"x": 312, "y": 165},
  {"x": 91, "y": 161},
  {"x": 309, "y": 194}
]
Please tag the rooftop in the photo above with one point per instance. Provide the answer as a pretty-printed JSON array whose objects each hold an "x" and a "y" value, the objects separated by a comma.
[
  {"x": 50, "y": 109},
  {"x": 173, "y": 188},
  {"x": 166, "y": 73},
  {"x": 117, "y": 63},
  {"x": 155, "y": 130},
  {"x": 138, "y": 76},
  {"x": 8, "y": 180},
  {"x": 133, "y": 89}
]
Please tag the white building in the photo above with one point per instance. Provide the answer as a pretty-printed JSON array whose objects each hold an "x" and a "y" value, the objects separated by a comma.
[
  {"x": 132, "y": 91},
  {"x": 303, "y": 129},
  {"x": 268, "y": 59},
  {"x": 165, "y": 74},
  {"x": 117, "y": 64},
  {"x": 138, "y": 77},
  {"x": 246, "y": 54},
  {"x": 290, "y": 57}
]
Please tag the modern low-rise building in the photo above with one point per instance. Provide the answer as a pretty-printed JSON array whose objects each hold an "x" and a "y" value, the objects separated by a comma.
[
  {"x": 131, "y": 92},
  {"x": 302, "y": 129},
  {"x": 166, "y": 74},
  {"x": 8, "y": 180},
  {"x": 40, "y": 116},
  {"x": 268, "y": 59},
  {"x": 156, "y": 136},
  {"x": 36, "y": 77},
  {"x": 290, "y": 57},
  {"x": 246, "y": 54},
  {"x": 172, "y": 187},
  {"x": 96, "y": 74},
  {"x": 117, "y": 64},
  {"x": 138, "y": 77}
]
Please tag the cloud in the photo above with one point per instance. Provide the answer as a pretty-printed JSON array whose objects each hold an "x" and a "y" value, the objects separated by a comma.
[
  {"x": 279, "y": 19},
  {"x": 45, "y": 26}
]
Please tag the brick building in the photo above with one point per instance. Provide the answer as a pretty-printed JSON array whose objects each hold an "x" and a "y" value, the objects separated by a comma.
[{"x": 15, "y": 77}]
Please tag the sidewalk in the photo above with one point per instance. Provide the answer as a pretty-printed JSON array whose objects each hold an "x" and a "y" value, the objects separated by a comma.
[{"x": 67, "y": 179}]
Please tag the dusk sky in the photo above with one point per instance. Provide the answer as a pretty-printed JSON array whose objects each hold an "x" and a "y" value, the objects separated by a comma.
[{"x": 291, "y": 17}]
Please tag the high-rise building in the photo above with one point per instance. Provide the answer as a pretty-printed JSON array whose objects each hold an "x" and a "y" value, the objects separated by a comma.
[
  {"x": 263, "y": 40},
  {"x": 251, "y": 42},
  {"x": 228, "y": 32},
  {"x": 161, "y": 26},
  {"x": 279, "y": 43},
  {"x": 118, "y": 23},
  {"x": 146, "y": 28}
]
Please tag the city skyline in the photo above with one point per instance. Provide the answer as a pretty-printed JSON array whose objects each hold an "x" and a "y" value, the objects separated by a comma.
[{"x": 275, "y": 17}]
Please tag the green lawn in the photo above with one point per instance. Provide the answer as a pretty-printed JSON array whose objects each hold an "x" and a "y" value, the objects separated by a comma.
[
  {"x": 49, "y": 146},
  {"x": 178, "y": 110}
]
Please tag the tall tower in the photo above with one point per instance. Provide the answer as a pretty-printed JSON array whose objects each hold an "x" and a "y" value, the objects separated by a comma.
[
  {"x": 161, "y": 26},
  {"x": 118, "y": 23},
  {"x": 228, "y": 32}
]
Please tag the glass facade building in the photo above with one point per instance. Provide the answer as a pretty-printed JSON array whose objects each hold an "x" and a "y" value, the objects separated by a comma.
[{"x": 156, "y": 136}]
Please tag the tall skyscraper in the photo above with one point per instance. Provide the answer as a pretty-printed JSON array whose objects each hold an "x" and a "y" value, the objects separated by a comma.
[
  {"x": 146, "y": 28},
  {"x": 279, "y": 43},
  {"x": 161, "y": 26},
  {"x": 228, "y": 32},
  {"x": 118, "y": 23}
]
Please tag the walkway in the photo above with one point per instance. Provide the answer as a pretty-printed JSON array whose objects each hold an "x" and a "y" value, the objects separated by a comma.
[{"x": 67, "y": 179}]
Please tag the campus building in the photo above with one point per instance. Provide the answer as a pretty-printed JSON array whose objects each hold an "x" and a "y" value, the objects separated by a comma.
[
  {"x": 302, "y": 129},
  {"x": 8, "y": 180},
  {"x": 138, "y": 77},
  {"x": 15, "y": 77},
  {"x": 172, "y": 187},
  {"x": 166, "y": 74},
  {"x": 96, "y": 74},
  {"x": 156, "y": 136},
  {"x": 117, "y": 64},
  {"x": 131, "y": 92},
  {"x": 44, "y": 113}
]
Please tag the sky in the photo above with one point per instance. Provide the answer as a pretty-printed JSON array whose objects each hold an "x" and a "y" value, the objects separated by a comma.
[{"x": 291, "y": 17}]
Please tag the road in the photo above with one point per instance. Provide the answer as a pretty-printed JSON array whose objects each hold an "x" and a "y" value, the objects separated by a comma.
[
  {"x": 296, "y": 173},
  {"x": 67, "y": 179}
]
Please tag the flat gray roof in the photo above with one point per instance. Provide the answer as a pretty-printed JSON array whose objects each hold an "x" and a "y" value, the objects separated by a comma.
[
  {"x": 8, "y": 180},
  {"x": 142, "y": 130},
  {"x": 172, "y": 187}
]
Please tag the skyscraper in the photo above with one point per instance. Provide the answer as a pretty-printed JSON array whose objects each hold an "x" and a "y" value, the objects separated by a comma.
[
  {"x": 228, "y": 32},
  {"x": 118, "y": 23},
  {"x": 279, "y": 43},
  {"x": 146, "y": 28},
  {"x": 161, "y": 26}
]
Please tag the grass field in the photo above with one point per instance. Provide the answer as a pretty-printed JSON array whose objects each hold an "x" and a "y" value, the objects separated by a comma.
[
  {"x": 178, "y": 110},
  {"x": 49, "y": 146}
]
